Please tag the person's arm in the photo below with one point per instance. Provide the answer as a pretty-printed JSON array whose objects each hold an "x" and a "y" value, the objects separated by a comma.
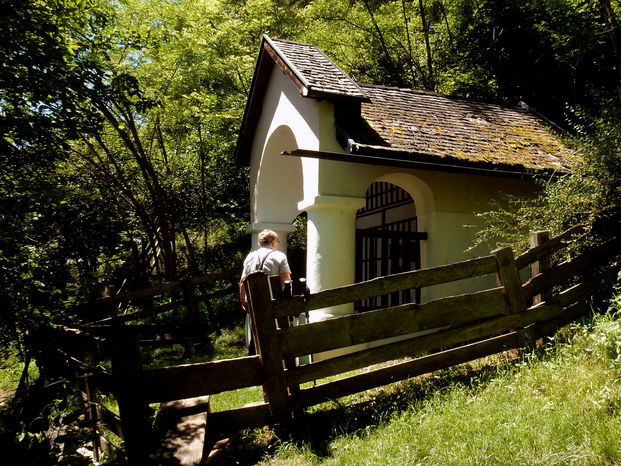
[
  {"x": 242, "y": 295},
  {"x": 283, "y": 278}
]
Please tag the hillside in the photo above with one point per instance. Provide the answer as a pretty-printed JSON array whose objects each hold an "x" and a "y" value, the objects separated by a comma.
[{"x": 559, "y": 405}]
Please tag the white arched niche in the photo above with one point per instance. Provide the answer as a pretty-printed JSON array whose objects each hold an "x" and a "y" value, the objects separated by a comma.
[{"x": 276, "y": 187}]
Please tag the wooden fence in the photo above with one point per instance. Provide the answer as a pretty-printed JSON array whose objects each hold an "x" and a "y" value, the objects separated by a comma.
[
  {"x": 104, "y": 354},
  {"x": 392, "y": 343}
]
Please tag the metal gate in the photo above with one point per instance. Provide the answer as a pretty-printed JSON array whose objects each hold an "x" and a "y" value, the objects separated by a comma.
[
  {"x": 387, "y": 247},
  {"x": 387, "y": 252}
]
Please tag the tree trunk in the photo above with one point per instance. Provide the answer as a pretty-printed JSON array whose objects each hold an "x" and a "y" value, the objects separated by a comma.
[
  {"x": 423, "y": 18},
  {"x": 612, "y": 28}
]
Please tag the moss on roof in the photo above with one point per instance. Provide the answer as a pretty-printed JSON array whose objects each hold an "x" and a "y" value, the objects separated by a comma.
[
  {"x": 413, "y": 125},
  {"x": 434, "y": 125}
]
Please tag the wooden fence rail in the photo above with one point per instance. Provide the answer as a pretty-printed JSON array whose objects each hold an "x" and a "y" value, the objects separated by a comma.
[
  {"x": 391, "y": 344},
  {"x": 104, "y": 354}
]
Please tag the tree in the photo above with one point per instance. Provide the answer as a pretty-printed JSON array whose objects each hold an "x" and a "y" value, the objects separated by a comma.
[
  {"x": 389, "y": 42},
  {"x": 46, "y": 79},
  {"x": 118, "y": 128},
  {"x": 172, "y": 158}
]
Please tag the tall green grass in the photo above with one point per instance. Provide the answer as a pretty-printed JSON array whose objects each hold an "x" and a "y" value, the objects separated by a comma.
[
  {"x": 559, "y": 405},
  {"x": 11, "y": 368}
]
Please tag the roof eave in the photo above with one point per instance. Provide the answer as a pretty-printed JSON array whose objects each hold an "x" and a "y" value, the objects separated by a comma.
[
  {"x": 391, "y": 158},
  {"x": 252, "y": 112},
  {"x": 270, "y": 55}
]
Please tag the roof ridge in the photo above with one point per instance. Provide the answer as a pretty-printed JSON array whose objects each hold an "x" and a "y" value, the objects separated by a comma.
[
  {"x": 324, "y": 79},
  {"x": 401, "y": 89},
  {"x": 516, "y": 106},
  {"x": 289, "y": 41}
]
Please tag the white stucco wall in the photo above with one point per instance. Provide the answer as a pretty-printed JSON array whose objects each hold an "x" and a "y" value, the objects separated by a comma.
[{"x": 276, "y": 182}]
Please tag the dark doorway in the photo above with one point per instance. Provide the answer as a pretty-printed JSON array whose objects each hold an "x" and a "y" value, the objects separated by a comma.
[{"x": 296, "y": 251}]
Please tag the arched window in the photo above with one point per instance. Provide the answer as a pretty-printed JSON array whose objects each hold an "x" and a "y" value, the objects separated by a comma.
[{"x": 387, "y": 241}]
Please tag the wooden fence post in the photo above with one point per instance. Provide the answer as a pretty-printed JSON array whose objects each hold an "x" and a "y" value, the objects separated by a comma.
[
  {"x": 283, "y": 322},
  {"x": 126, "y": 368},
  {"x": 509, "y": 277},
  {"x": 190, "y": 301},
  {"x": 267, "y": 345},
  {"x": 537, "y": 238},
  {"x": 90, "y": 398}
]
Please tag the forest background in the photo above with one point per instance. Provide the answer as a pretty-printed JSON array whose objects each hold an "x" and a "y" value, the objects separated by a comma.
[{"x": 119, "y": 119}]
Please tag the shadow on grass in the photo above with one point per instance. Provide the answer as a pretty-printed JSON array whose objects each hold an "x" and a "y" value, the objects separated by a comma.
[{"x": 312, "y": 433}]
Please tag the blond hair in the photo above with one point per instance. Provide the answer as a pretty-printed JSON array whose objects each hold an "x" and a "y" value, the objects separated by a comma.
[{"x": 267, "y": 237}]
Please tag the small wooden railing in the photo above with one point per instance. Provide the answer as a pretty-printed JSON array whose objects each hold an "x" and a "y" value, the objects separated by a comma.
[{"x": 104, "y": 354}]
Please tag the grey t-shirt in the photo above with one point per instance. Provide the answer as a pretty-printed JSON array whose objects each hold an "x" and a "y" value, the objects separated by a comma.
[{"x": 274, "y": 262}]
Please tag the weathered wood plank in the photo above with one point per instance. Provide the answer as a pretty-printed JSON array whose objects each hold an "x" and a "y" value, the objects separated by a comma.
[
  {"x": 400, "y": 371},
  {"x": 247, "y": 417},
  {"x": 109, "y": 420},
  {"x": 206, "y": 378},
  {"x": 218, "y": 293},
  {"x": 126, "y": 369},
  {"x": 509, "y": 276},
  {"x": 148, "y": 312},
  {"x": 422, "y": 343},
  {"x": 155, "y": 310},
  {"x": 386, "y": 285},
  {"x": 179, "y": 332},
  {"x": 275, "y": 287},
  {"x": 196, "y": 330},
  {"x": 567, "y": 270},
  {"x": 550, "y": 246},
  {"x": 267, "y": 345},
  {"x": 538, "y": 238},
  {"x": 584, "y": 290},
  {"x": 390, "y": 322},
  {"x": 547, "y": 328},
  {"x": 168, "y": 287},
  {"x": 101, "y": 382},
  {"x": 76, "y": 343}
]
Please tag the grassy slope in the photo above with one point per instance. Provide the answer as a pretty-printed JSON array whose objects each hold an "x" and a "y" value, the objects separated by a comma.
[{"x": 561, "y": 405}]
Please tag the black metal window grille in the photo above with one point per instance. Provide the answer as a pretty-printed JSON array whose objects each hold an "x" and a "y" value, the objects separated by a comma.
[{"x": 387, "y": 248}]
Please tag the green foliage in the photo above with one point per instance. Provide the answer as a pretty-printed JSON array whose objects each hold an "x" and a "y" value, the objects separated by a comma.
[
  {"x": 118, "y": 121},
  {"x": 45, "y": 77},
  {"x": 547, "y": 53},
  {"x": 42, "y": 423},
  {"x": 297, "y": 238},
  {"x": 589, "y": 194},
  {"x": 380, "y": 42}
]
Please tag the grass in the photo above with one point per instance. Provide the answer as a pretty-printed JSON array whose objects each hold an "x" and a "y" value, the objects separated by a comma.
[
  {"x": 560, "y": 405},
  {"x": 549, "y": 412},
  {"x": 11, "y": 368}
]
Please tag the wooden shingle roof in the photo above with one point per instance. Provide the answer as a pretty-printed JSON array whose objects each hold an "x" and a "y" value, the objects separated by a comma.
[
  {"x": 319, "y": 75},
  {"x": 376, "y": 123},
  {"x": 431, "y": 125}
]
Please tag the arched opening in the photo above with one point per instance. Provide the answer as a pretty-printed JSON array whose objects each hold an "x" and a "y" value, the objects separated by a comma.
[
  {"x": 278, "y": 183},
  {"x": 387, "y": 241},
  {"x": 296, "y": 250}
]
